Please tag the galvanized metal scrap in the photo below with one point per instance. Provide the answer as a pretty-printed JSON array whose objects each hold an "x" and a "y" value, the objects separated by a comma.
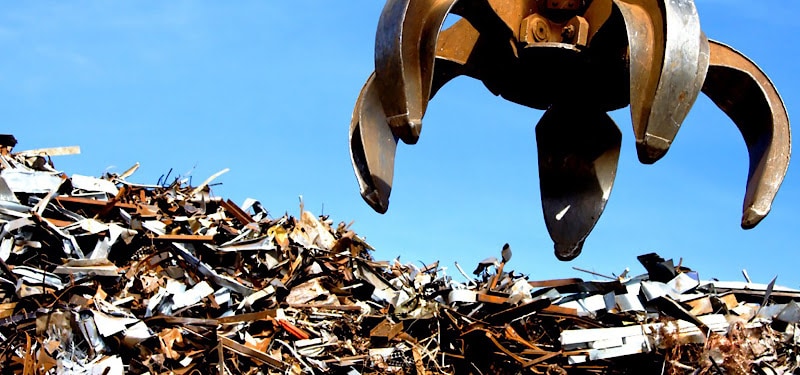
[{"x": 600, "y": 55}]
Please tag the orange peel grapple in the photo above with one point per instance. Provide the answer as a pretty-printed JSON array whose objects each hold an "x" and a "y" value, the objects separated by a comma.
[{"x": 577, "y": 60}]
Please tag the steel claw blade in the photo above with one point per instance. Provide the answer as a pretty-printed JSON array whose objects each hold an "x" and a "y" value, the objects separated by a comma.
[
  {"x": 373, "y": 144},
  {"x": 578, "y": 153},
  {"x": 405, "y": 50},
  {"x": 668, "y": 64},
  {"x": 738, "y": 87},
  {"x": 372, "y": 148}
]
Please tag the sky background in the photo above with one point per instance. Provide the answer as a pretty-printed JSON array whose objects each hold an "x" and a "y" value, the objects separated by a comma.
[{"x": 267, "y": 88}]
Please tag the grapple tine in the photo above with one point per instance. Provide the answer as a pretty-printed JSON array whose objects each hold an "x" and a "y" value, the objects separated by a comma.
[
  {"x": 372, "y": 148},
  {"x": 738, "y": 87},
  {"x": 372, "y": 143},
  {"x": 578, "y": 154},
  {"x": 405, "y": 50},
  {"x": 668, "y": 64}
]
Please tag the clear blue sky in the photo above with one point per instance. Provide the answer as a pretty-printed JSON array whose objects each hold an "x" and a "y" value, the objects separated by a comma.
[{"x": 266, "y": 88}]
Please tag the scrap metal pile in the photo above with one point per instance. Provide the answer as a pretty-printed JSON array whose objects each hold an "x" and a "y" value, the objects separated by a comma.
[{"x": 106, "y": 276}]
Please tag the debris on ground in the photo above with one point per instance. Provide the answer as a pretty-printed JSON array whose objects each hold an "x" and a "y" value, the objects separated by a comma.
[{"x": 100, "y": 275}]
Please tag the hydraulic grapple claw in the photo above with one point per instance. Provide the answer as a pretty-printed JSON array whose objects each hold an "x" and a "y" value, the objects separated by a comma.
[
  {"x": 578, "y": 155},
  {"x": 405, "y": 49},
  {"x": 667, "y": 69},
  {"x": 738, "y": 87},
  {"x": 372, "y": 148},
  {"x": 595, "y": 56}
]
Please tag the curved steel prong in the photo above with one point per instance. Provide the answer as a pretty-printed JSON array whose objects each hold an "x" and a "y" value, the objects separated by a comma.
[
  {"x": 372, "y": 143},
  {"x": 405, "y": 50},
  {"x": 578, "y": 155},
  {"x": 668, "y": 63},
  {"x": 454, "y": 53},
  {"x": 738, "y": 87},
  {"x": 372, "y": 148}
]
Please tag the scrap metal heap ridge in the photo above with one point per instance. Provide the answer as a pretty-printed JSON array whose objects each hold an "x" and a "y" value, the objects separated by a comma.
[{"x": 106, "y": 276}]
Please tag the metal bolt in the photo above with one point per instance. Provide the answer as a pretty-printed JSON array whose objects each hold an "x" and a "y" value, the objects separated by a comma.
[
  {"x": 540, "y": 31},
  {"x": 568, "y": 33}
]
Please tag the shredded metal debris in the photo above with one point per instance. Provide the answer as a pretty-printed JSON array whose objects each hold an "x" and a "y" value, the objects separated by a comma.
[{"x": 105, "y": 276}]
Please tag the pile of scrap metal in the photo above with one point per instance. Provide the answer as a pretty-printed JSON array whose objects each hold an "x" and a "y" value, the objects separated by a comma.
[{"x": 105, "y": 276}]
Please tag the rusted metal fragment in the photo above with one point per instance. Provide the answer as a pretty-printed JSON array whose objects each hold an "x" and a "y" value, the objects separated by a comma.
[
  {"x": 237, "y": 212},
  {"x": 253, "y": 353},
  {"x": 94, "y": 204},
  {"x": 184, "y": 238},
  {"x": 385, "y": 331}
]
